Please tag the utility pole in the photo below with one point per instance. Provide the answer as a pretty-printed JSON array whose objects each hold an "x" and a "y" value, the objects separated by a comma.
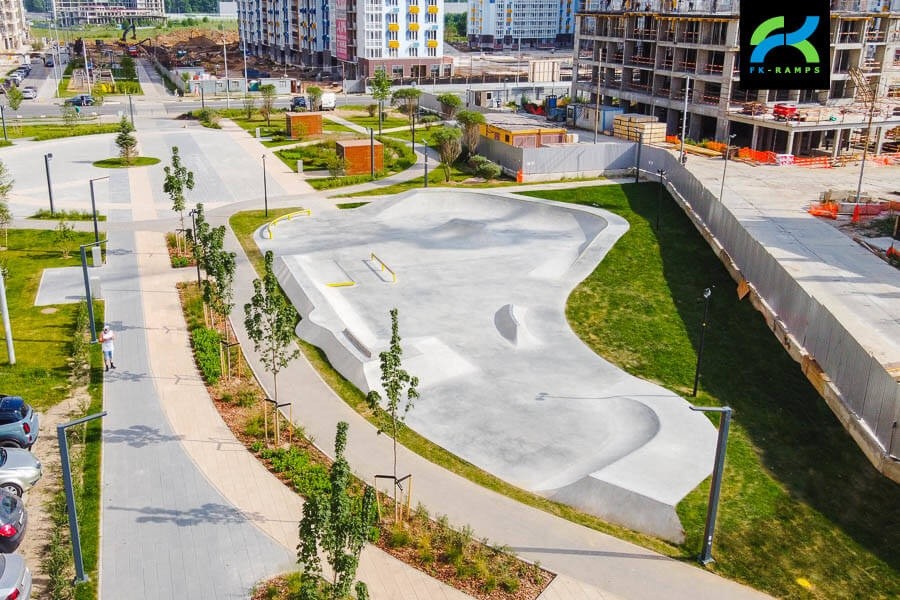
[
  {"x": 865, "y": 94},
  {"x": 687, "y": 93}
]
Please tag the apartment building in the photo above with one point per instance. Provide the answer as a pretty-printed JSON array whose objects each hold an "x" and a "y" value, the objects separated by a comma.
[
  {"x": 507, "y": 24},
  {"x": 659, "y": 56},
  {"x": 13, "y": 30},
  {"x": 286, "y": 31},
  {"x": 89, "y": 12}
]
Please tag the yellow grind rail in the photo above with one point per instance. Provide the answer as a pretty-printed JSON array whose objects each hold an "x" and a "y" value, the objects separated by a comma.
[
  {"x": 270, "y": 227},
  {"x": 341, "y": 284},
  {"x": 384, "y": 267}
]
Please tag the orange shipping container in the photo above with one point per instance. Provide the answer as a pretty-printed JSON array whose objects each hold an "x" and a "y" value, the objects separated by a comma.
[
  {"x": 357, "y": 156},
  {"x": 303, "y": 124}
]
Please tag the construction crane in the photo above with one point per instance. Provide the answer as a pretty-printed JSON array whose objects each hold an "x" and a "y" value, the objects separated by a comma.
[{"x": 866, "y": 95}]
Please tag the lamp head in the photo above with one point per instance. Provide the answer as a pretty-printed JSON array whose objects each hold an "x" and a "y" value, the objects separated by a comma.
[{"x": 707, "y": 293}]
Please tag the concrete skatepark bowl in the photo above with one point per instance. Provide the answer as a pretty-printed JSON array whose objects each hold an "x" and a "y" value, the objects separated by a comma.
[{"x": 481, "y": 281}]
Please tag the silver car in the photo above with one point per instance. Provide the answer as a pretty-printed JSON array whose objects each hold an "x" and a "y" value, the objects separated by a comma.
[
  {"x": 15, "y": 577},
  {"x": 19, "y": 471},
  {"x": 29, "y": 93}
]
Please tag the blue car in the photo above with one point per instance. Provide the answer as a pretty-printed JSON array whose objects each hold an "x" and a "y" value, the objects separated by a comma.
[{"x": 18, "y": 423}]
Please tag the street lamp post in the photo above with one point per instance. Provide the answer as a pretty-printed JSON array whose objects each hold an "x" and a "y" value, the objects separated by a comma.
[
  {"x": 194, "y": 212},
  {"x": 425, "y": 150},
  {"x": 265, "y": 186},
  {"x": 3, "y": 118},
  {"x": 687, "y": 93},
  {"x": 94, "y": 207},
  {"x": 707, "y": 294},
  {"x": 661, "y": 173},
  {"x": 715, "y": 488},
  {"x": 727, "y": 152},
  {"x": 225, "y": 58},
  {"x": 47, "y": 158}
]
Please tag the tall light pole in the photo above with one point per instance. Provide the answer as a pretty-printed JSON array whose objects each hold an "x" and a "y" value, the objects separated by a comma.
[
  {"x": 866, "y": 94},
  {"x": 244, "y": 51},
  {"x": 225, "y": 57},
  {"x": 716, "y": 485},
  {"x": 425, "y": 150},
  {"x": 3, "y": 119},
  {"x": 707, "y": 293},
  {"x": 661, "y": 173},
  {"x": 47, "y": 158},
  {"x": 194, "y": 212},
  {"x": 729, "y": 139},
  {"x": 265, "y": 186},
  {"x": 94, "y": 207},
  {"x": 687, "y": 93}
]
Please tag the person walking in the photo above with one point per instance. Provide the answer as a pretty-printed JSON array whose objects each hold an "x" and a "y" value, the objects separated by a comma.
[{"x": 107, "y": 339}]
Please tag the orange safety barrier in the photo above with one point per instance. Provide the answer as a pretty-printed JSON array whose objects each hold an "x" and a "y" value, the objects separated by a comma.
[
  {"x": 672, "y": 139},
  {"x": 717, "y": 146},
  {"x": 818, "y": 161},
  {"x": 520, "y": 177},
  {"x": 766, "y": 158},
  {"x": 829, "y": 210},
  {"x": 866, "y": 210}
]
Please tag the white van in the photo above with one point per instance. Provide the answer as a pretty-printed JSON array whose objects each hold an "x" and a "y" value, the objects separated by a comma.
[{"x": 327, "y": 101}]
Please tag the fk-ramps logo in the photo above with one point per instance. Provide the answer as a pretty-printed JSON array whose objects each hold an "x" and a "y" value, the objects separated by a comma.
[{"x": 785, "y": 48}]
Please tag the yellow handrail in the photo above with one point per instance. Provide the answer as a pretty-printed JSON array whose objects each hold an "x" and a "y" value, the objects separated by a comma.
[
  {"x": 384, "y": 267},
  {"x": 270, "y": 226}
]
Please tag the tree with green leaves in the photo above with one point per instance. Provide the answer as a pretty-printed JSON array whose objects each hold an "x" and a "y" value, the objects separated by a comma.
[
  {"x": 178, "y": 179},
  {"x": 267, "y": 93},
  {"x": 449, "y": 146},
  {"x": 399, "y": 389},
  {"x": 5, "y": 222},
  {"x": 381, "y": 91},
  {"x": 69, "y": 114},
  {"x": 315, "y": 96},
  {"x": 6, "y": 182},
  {"x": 337, "y": 523},
  {"x": 450, "y": 103},
  {"x": 471, "y": 121},
  {"x": 15, "y": 97},
  {"x": 126, "y": 141},
  {"x": 63, "y": 236},
  {"x": 337, "y": 166},
  {"x": 249, "y": 105},
  {"x": 270, "y": 321},
  {"x": 129, "y": 71},
  {"x": 220, "y": 266},
  {"x": 408, "y": 96}
]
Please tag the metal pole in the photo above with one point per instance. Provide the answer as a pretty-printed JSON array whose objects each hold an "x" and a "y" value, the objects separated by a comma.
[
  {"x": 597, "y": 113},
  {"x": 687, "y": 91},
  {"x": 47, "y": 158},
  {"x": 3, "y": 118},
  {"x": 193, "y": 214},
  {"x": 94, "y": 213},
  {"x": 131, "y": 110},
  {"x": 416, "y": 112},
  {"x": 425, "y": 148},
  {"x": 707, "y": 293},
  {"x": 87, "y": 294},
  {"x": 728, "y": 138},
  {"x": 70, "y": 492},
  {"x": 202, "y": 97},
  {"x": 225, "y": 57},
  {"x": 661, "y": 173},
  {"x": 265, "y": 186},
  {"x": 637, "y": 167},
  {"x": 716, "y": 485},
  {"x": 372, "y": 149},
  {"x": 862, "y": 166},
  {"x": 7, "y": 328}
]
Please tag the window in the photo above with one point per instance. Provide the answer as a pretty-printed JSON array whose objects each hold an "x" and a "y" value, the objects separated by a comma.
[
  {"x": 413, "y": 51},
  {"x": 397, "y": 71},
  {"x": 432, "y": 51}
]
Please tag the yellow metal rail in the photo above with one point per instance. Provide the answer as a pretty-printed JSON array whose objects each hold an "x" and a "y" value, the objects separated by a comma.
[
  {"x": 270, "y": 228},
  {"x": 384, "y": 267}
]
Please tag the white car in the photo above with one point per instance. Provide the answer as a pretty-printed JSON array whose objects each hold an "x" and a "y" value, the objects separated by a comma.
[
  {"x": 15, "y": 577},
  {"x": 29, "y": 93},
  {"x": 19, "y": 470}
]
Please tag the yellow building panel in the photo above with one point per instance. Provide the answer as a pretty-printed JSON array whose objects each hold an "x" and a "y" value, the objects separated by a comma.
[
  {"x": 432, "y": 43},
  {"x": 393, "y": 27},
  {"x": 433, "y": 9},
  {"x": 413, "y": 26},
  {"x": 393, "y": 44},
  {"x": 414, "y": 10}
]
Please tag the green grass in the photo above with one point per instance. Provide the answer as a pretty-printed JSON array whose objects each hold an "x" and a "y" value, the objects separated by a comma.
[
  {"x": 799, "y": 499},
  {"x": 42, "y": 340},
  {"x": 66, "y": 215},
  {"x": 349, "y": 205},
  {"x": 118, "y": 163},
  {"x": 52, "y": 132},
  {"x": 332, "y": 127},
  {"x": 365, "y": 120},
  {"x": 436, "y": 178}
]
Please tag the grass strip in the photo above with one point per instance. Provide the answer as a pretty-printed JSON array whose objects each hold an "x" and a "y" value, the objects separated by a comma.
[
  {"x": 65, "y": 215},
  {"x": 119, "y": 163}
]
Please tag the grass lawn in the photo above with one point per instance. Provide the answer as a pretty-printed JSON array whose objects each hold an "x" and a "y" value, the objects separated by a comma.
[
  {"x": 365, "y": 120},
  {"x": 66, "y": 215},
  {"x": 435, "y": 179},
  {"x": 118, "y": 163},
  {"x": 55, "y": 131},
  {"x": 799, "y": 500},
  {"x": 332, "y": 127}
]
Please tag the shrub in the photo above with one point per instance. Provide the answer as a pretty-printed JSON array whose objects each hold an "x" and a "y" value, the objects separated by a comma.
[
  {"x": 206, "y": 350},
  {"x": 488, "y": 170},
  {"x": 181, "y": 261},
  {"x": 372, "y": 109},
  {"x": 399, "y": 537}
]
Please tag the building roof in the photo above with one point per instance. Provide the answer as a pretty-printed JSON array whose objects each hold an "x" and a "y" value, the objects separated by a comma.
[{"x": 514, "y": 122}]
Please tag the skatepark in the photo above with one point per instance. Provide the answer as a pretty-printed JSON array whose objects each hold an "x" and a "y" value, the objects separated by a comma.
[{"x": 480, "y": 281}]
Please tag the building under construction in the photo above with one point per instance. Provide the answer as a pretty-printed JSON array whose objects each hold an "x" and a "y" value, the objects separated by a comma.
[
  {"x": 658, "y": 57},
  {"x": 67, "y": 13}
]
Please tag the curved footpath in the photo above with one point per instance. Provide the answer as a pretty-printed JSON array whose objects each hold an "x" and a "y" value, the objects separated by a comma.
[{"x": 187, "y": 511}]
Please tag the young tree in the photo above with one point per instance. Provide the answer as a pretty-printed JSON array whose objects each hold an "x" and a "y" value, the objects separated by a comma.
[
  {"x": 267, "y": 93},
  {"x": 471, "y": 120},
  {"x": 450, "y": 103},
  {"x": 15, "y": 97},
  {"x": 220, "y": 266},
  {"x": 178, "y": 179},
  {"x": 249, "y": 105},
  {"x": 128, "y": 69},
  {"x": 315, "y": 96},
  {"x": 69, "y": 114},
  {"x": 126, "y": 142},
  {"x": 337, "y": 167},
  {"x": 5, "y": 222},
  {"x": 449, "y": 147},
  {"x": 410, "y": 98},
  {"x": 381, "y": 91},
  {"x": 270, "y": 321},
  {"x": 394, "y": 380},
  {"x": 63, "y": 236},
  {"x": 337, "y": 523},
  {"x": 6, "y": 182}
]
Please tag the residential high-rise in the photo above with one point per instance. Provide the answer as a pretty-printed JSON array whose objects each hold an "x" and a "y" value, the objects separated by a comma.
[
  {"x": 499, "y": 24},
  {"x": 12, "y": 28},
  {"x": 81, "y": 12},
  {"x": 648, "y": 55}
]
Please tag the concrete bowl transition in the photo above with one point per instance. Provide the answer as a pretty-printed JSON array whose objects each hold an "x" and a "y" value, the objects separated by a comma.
[{"x": 480, "y": 281}]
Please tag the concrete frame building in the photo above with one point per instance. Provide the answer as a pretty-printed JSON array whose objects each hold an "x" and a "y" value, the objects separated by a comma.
[
  {"x": 644, "y": 55},
  {"x": 504, "y": 24},
  {"x": 79, "y": 12},
  {"x": 13, "y": 29}
]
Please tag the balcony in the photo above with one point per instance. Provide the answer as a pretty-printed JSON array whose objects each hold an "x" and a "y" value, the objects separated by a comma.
[
  {"x": 711, "y": 69},
  {"x": 413, "y": 26},
  {"x": 642, "y": 61},
  {"x": 393, "y": 44},
  {"x": 847, "y": 37},
  {"x": 432, "y": 43},
  {"x": 432, "y": 9},
  {"x": 393, "y": 27},
  {"x": 645, "y": 34},
  {"x": 413, "y": 10},
  {"x": 875, "y": 36},
  {"x": 690, "y": 37},
  {"x": 686, "y": 66}
]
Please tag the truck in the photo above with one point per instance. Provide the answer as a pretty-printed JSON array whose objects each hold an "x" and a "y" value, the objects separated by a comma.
[{"x": 327, "y": 101}]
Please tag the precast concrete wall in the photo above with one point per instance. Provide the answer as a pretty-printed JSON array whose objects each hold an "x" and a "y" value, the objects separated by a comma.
[
  {"x": 563, "y": 161},
  {"x": 859, "y": 389}
]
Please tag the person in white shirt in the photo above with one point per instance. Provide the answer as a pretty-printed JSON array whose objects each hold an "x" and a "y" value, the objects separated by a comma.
[{"x": 107, "y": 339}]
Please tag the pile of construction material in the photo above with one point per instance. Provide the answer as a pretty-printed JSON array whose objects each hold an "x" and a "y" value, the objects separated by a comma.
[{"x": 633, "y": 127}]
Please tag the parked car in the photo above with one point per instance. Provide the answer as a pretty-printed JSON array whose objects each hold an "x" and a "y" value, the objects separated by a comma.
[
  {"x": 29, "y": 92},
  {"x": 15, "y": 578},
  {"x": 16, "y": 78},
  {"x": 13, "y": 522},
  {"x": 81, "y": 100},
  {"x": 48, "y": 62},
  {"x": 19, "y": 471},
  {"x": 18, "y": 423},
  {"x": 298, "y": 103}
]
